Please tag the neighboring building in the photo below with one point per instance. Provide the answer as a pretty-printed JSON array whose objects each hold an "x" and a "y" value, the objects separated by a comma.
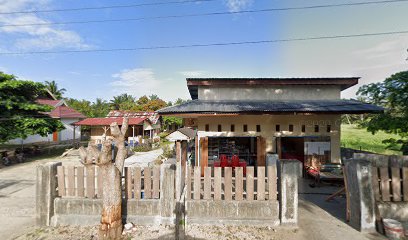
[
  {"x": 181, "y": 134},
  {"x": 68, "y": 117},
  {"x": 296, "y": 118},
  {"x": 141, "y": 125}
]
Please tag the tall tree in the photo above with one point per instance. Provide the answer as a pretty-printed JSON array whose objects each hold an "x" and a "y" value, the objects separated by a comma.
[
  {"x": 392, "y": 94},
  {"x": 111, "y": 221},
  {"x": 53, "y": 88},
  {"x": 122, "y": 99},
  {"x": 20, "y": 115}
]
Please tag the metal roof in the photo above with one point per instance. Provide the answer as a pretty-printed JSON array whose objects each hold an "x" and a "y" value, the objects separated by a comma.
[
  {"x": 194, "y": 83},
  {"x": 271, "y": 107},
  {"x": 108, "y": 121},
  {"x": 65, "y": 112}
]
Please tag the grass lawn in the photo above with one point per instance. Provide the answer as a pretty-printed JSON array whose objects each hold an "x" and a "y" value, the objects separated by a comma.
[{"x": 354, "y": 137}]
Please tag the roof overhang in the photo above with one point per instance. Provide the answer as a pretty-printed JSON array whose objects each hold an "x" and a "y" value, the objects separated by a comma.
[
  {"x": 197, "y": 108},
  {"x": 194, "y": 83}
]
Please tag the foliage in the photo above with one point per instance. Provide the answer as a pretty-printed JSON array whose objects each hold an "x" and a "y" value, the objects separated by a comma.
[
  {"x": 20, "y": 115},
  {"x": 118, "y": 102},
  {"x": 99, "y": 108},
  {"x": 392, "y": 94},
  {"x": 168, "y": 120},
  {"x": 356, "y": 137},
  {"x": 53, "y": 88},
  {"x": 168, "y": 152},
  {"x": 145, "y": 147}
]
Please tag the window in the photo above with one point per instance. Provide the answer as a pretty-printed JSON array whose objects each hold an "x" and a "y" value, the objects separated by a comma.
[
  {"x": 303, "y": 128},
  {"x": 232, "y": 128},
  {"x": 207, "y": 127},
  {"x": 219, "y": 128},
  {"x": 245, "y": 128},
  {"x": 316, "y": 128},
  {"x": 328, "y": 128},
  {"x": 277, "y": 128},
  {"x": 290, "y": 128},
  {"x": 258, "y": 128}
]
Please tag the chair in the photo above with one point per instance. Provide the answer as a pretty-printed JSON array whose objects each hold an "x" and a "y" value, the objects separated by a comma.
[{"x": 224, "y": 161}]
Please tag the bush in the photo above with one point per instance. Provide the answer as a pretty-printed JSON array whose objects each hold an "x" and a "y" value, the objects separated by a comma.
[
  {"x": 143, "y": 147},
  {"x": 168, "y": 152},
  {"x": 163, "y": 134}
]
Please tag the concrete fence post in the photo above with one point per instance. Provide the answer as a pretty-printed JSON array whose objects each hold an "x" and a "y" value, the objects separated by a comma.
[
  {"x": 360, "y": 192},
  {"x": 167, "y": 188},
  {"x": 46, "y": 192},
  {"x": 288, "y": 183}
]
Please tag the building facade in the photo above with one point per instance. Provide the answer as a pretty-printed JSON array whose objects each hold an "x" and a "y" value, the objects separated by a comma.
[{"x": 297, "y": 118}]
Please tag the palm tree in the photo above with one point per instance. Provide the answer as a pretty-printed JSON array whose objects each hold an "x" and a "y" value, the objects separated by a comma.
[
  {"x": 53, "y": 88},
  {"x": 116, "y": 102}
]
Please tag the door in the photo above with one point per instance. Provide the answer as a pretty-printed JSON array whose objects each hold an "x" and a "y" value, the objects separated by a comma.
[{"x": 55, "y": 136}]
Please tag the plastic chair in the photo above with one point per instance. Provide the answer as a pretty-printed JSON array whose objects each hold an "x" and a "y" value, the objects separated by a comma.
[
  {"x": 235, "y": 161},
  {"x": 243, "y": 165},
  {"x": 224, "y": 161}
]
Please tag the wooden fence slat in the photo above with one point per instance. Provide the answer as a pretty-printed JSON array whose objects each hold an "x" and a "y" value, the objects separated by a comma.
[
  {"x": 250, "y": 183},
  {"x": 260, "y": 196},
  {"x": 156, "y": 182},
  {"x": 71, "y": 181},
  {"x": 147, "y": 182},
  {"x": 217, "y": 183},
  {"x": 375, "y": 183},
  {"x": 228, "y": 184},
  {"x": 100, "y": 180},
  {"x": 61, "y": 181},
  {"x": 207, "y": 183},
  {"x": 129, "y": 178},
  {"x": 90, "y": 181},
  {"x": 137, "y": 182},
  {"x": 238, "y": 183},
  {"x": 396, "y": 184},
  {"x": 272, "y": 183},
  {"x": 385, "y": 184},
  {"x": 405, "y": 183},
  {"x": 80, "y": 181},
  {"x": 188, "y": 183},
  {"x": 197, "y": 183}
]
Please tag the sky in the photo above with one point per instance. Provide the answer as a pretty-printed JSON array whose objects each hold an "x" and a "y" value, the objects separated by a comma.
[{"x": 91, "y": 75}]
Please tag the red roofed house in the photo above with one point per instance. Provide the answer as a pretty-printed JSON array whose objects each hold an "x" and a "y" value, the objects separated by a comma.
[
  {"x": 141, "y": 125},
  {"x": 67, "y": 115}
]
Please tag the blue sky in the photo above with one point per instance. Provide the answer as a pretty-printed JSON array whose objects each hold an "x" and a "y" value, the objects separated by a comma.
[{"x": 163, "y": 72}]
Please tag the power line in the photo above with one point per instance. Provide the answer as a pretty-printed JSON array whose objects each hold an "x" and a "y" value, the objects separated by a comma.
[
  {"x": 203, "y": 14},
  {"x": 106, "y": 7},
  {"x": 212, "y": 44}
]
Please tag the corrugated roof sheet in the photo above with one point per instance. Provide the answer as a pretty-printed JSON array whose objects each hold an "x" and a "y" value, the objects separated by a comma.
[
  {"x": 108, "y": 121},
  {"x": 48, "y": 102},
  {"x": 152, "y": 116},
  {"x": 265, "y": 107}
]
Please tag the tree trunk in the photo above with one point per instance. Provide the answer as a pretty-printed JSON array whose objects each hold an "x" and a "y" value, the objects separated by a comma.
[{"x": 111, "y": 221}]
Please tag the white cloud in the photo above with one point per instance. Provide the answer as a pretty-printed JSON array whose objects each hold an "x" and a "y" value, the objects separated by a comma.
[
  {"x": 237, "y": 5},
  {"x": 136, "y": 81},
  {"x": 192, "y": 73},
  {"x": 40, "y": 37}
]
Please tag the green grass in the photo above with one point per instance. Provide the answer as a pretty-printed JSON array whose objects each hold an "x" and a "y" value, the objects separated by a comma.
[{"x": 354, "y": 137}]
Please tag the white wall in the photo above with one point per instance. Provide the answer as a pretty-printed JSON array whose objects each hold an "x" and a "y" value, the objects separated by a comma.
[{"x": 293, "y": 92}]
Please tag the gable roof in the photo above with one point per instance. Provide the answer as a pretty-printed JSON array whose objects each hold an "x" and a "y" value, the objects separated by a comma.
[
  {"x": 194, "y": 83},
  {"x": 187, "y": 131},
  {"x": 50, "y": 102},
  {"x": 65, "y": 112},
  {"x": 108, "y": 121},
  {"x": 270, "y": 107}
]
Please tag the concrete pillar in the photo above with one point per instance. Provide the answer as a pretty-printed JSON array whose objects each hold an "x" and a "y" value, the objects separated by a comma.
[
  {"x": 360, "y": 192},
  {"x": 46, "y": 192},
  {"x": 167, "y": 194},
  {"x": 289, "y": 173}
]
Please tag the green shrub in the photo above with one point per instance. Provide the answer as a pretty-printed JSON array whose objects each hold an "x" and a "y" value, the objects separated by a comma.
[
  {"x": 143, "y": 148},
  {"x": 168, "y": 152}
]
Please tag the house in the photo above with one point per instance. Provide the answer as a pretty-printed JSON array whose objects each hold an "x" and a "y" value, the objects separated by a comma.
[
  {"x": 141, "y": 125},
  {"x": 181, "y": 134},
  {"x": 296, "y": 118},
  {"x": 68, "y": 117}
]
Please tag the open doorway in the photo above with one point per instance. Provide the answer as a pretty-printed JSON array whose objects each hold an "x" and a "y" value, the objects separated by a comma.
[{"x": 292, "y": 148}]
